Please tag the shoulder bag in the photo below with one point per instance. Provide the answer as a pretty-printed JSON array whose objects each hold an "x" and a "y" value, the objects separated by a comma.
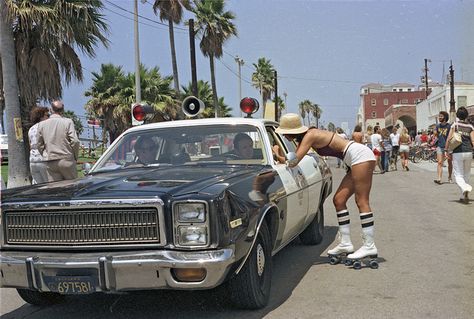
[{"x": 455, "y": 139}]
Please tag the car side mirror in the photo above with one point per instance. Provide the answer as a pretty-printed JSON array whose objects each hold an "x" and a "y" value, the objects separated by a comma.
[
  {"x": 291, "y": 159},
  {"x": 86, "y": 167}
]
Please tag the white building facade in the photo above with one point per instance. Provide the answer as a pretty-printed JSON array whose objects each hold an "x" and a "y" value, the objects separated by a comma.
[{"x": 427, "y": 111}]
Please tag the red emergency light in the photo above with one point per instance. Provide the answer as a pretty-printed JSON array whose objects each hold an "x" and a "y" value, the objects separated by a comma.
[
  {"x": 249, "y": 105},
  {"x": 141, "y": 112}
]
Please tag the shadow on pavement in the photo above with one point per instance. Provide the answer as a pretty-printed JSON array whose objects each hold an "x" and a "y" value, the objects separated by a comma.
[{"x": 289, "y": 267}]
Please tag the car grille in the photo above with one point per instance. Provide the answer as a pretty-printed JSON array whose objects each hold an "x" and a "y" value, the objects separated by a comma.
[{"x": 108, "y": 226}]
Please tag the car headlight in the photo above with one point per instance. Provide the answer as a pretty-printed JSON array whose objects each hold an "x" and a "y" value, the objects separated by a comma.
[
  {"x": 190, "y": 212},
  {"x": 192, "y": 235},
  {"x": 191, "y": 224}
]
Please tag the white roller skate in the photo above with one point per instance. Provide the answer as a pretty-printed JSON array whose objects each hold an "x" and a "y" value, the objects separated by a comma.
[
  {"x": 367, "y": 251},
  {"x": 344, "y": 247}
]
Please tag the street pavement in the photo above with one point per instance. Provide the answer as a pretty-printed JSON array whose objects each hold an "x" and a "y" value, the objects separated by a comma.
[{"x": 425, "y": 238}]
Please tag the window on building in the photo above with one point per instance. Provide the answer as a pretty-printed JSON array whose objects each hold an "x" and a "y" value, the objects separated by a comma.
[
  {"x": 385, "y": 101},
  {"x": 409, "y": 90},
  {"x": 373, "y": 102},
  {"x": 366, "y": 91},
  {"x": 404, "y": 101},
  {"x": 374, "y": 115},
  {"x": 462, "y": 101},
  {"x": 400, "y": 90},
  {"x": 394, "y": 90}
]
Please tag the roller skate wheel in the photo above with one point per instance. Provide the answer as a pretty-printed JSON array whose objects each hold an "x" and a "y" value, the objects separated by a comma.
[
  {"x": 374, "y": 264},
  {"x": 334, "y": 260},
  {"x": 349, "y": 262},
  {"x": 357, "y": 264}
]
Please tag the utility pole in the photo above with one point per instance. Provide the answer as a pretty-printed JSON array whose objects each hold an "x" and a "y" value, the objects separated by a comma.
[
  {"x": 452, "y": 103},
  {"x": 138, "y": 89},
  {"x": 426, "y": 78},
  {"x": 276, "y": 96},
  {"x": 240, "y": 62},
  {"x": 193, "y": 57}
]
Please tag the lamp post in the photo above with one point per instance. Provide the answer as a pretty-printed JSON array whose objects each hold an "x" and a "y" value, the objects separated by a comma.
[
  {"x": 138, "y": 90},
  {"x": 452, "y": 103},
  {"x": 240, "y": 62}
]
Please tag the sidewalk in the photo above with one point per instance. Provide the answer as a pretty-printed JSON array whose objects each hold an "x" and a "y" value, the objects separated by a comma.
[{"x": 431, "y": 167}]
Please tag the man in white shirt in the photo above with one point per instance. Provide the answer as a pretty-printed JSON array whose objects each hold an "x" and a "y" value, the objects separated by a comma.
[
  {"x": 377, "y": 147},
  {"x": 395, "y": 138}
]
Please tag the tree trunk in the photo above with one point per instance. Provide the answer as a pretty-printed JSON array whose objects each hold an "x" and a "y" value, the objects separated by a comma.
[
  {"x": 18, "y": 172},
  {"x": 213, "y": 82},
  {"x": 173, "y": 59}
]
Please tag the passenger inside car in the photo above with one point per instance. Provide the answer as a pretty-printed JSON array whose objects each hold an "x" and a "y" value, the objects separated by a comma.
[{"x": 243, "y": 146}]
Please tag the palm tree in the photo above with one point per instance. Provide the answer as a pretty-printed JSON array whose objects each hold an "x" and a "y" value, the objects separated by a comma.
[
  {"x": 172, "y": 11},
  {"x": 215, "y": 27},
  {"x": 263, "y": 79},
  {"x": 304, "y": 107},
  {"x": 18, "y": 174},
  {"x": 331, "y": 127},
  {"x": 281, "y": 105},
  {"x": 113, "y": 92},
  {"x": 316, "y": 111},
  {"x": 104, "y": 98},
  {"x": 45, "y": 35}
]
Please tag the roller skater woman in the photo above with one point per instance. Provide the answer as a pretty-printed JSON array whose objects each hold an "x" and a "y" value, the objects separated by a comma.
[{"x": 360, "y": 161}]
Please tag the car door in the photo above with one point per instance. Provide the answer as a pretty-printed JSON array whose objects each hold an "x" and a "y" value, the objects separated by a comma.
[
  {"x": 310, "y": 169},
  {"x": 295, "y": 187}
]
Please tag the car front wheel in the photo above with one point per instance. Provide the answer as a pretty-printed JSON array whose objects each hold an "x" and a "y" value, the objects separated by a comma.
[{"x": 250, "y": 289}]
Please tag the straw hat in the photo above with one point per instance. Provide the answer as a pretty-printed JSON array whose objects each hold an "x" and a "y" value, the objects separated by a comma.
[{"x": 290, "y": 123}]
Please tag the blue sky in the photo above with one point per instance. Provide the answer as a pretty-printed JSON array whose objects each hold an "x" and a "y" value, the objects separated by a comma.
[{"x": 323, "y": 51}]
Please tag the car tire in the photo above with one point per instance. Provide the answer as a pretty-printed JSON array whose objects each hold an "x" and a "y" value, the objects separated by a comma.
[
  {"x": 314, "y": 232},
  {"x": 250, "y": 289},
  {"x": 40, "y": 298}
]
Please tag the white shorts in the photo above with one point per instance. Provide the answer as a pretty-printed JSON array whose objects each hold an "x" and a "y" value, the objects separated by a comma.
[
  {"x": 404, "y": 148},
  {"x": 356, "y": 153}
]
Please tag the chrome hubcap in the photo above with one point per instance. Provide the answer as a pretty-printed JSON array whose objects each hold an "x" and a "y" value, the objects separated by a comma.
[{"x": 260, "y": 260}]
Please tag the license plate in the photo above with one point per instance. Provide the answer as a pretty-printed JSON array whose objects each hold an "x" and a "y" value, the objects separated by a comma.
[{"x": 71, "y": 285}]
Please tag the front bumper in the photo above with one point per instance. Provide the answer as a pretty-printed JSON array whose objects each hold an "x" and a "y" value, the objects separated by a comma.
[{"x": 115, "y": 272}]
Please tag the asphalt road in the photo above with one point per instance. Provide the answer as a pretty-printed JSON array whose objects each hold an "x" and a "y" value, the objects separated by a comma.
[{"x": 425, "y": 239}]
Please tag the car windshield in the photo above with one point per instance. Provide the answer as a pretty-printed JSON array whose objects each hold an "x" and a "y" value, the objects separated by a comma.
[{"x": 186, "y": 145}]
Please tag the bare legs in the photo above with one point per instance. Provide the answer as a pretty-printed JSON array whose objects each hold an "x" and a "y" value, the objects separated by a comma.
[{"x": 358, "y": 182}]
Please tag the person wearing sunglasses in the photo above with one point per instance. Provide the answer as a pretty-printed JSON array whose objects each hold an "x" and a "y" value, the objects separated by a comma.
[{"x": 145, "y": 150}]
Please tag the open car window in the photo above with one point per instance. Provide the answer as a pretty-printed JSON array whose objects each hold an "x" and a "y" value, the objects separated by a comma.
[{"x": 190, "y": 145}]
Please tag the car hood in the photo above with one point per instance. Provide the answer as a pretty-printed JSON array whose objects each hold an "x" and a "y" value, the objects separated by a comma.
[{"x": 133, "y": 183}]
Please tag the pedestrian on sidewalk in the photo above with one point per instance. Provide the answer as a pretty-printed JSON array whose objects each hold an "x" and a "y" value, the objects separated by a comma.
[
  {"x": 377, "y": 147},
  {"x": 368, "y": 136},
  {"x": 357, "y": 135},
  {"x": 360, "y": 162},
  {"x": 405, "y": 141},
  {"x": 37, "y": 163},
  {"x": 395, "y": 140},
  {"x": 441, "y": 132},
  {"x": 462, "y": 155},
  {"x": 387, "y": 153},
  {"x": 59, "y": 145}
]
